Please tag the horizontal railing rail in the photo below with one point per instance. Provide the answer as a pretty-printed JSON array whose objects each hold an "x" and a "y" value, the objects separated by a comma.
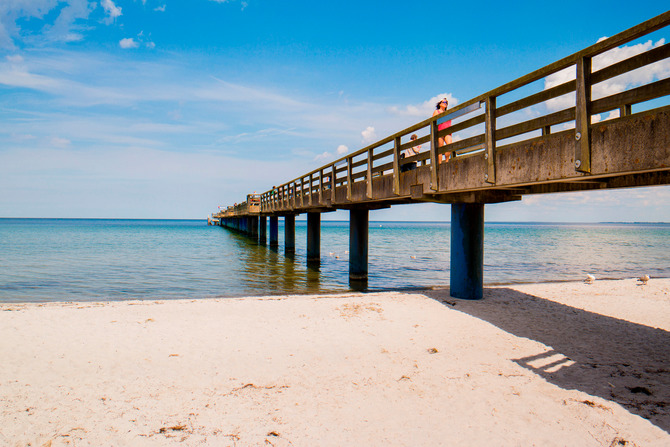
[{"x": 479, "y": 120}]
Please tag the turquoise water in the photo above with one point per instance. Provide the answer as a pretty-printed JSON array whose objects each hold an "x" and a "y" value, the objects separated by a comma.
[{"x": 90, "y": 259}]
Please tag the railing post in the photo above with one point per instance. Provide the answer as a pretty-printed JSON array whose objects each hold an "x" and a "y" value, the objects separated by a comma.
[
  {"x": 311, "y": 189},
  {"x": 350, "y": 162},
  {"x": 291, "y": 195},
  {"x": 302, "y": 192},
  {"x": 396, "y": 166},
  {"x": 490, "y": 157},
  {"x": 332, "y": 184},
  {"x": 583, "y": 116},
  {"x": 368, "y": 192},
  {"x": 321, "y": 191},
  {"x": 434, "y": 142}
]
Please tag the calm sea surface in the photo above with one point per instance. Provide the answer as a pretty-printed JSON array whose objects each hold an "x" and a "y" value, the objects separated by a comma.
[{"x": 97, "y": 259}]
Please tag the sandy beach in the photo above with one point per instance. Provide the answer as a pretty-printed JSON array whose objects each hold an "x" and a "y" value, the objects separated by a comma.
[{"x": 542, "y": 364}]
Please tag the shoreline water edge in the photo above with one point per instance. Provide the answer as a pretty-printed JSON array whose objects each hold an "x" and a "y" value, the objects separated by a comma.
[{"x": 566, "y": 363}]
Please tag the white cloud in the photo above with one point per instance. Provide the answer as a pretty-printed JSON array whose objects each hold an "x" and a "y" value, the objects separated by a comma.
[
  {"x": 323, "y": 157},
  {"x": 128, "y": 43},
  {"x": 369, "y": 135},
  {"x": 160, "y": 8},
  {"x": 111, "y": 9},
  {"x": 341, "y": 150},
  {"x": 424, "y": 109}
]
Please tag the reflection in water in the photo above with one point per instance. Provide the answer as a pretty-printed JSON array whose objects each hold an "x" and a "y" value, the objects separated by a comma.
[
  {"x": 313, "y": 272},
  {"x": 264, "y": 267},
  {"x": 359, "y": 285}
]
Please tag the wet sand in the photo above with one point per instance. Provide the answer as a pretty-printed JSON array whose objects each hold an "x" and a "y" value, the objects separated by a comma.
[{"x": 541, "y": 364}]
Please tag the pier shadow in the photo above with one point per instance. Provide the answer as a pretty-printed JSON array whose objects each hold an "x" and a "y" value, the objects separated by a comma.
[{"x": 614, "y": 359}]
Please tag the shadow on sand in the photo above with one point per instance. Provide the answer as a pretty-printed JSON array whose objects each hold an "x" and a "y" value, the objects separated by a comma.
[{"x": 617, "y": 360}]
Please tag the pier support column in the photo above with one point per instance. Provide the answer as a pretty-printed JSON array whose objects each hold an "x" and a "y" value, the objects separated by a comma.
[
  {"x": 467, "y": 251},
  {"x": 313, "y": 236},
  {"x": 358, "y": 245},
  {"x": 253, "y": 227},
  {"x": 262, "y": 229},
  {"x": 274, "y": 231},
  {"x": 289, "y": 233}
]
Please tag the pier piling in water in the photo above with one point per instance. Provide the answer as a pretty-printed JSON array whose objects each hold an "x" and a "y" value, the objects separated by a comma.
[
  {"x": 274, "y": 231},
  {"x": 313, "y": 237},
  {"x": 289, "y": 233},
  {"x": 262, "y": 229},
  {"x": 358, "y": 244},
  {"x": 467, "y": 251}
]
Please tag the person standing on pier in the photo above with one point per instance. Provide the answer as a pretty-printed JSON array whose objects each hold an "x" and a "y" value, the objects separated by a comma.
[
  {"x": 410, "y": 152},
  {"x": 441, "y": 107}
]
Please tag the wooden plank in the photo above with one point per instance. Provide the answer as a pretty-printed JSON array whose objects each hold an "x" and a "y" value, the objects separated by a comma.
[
  {"x": 535, "y": 124},
  {"x": 583, "y": 116},
  {"x": 632, "y": 96},
  {"x": 537, "y": 98},
  {"x": 630, "y": 64},
  {"x": 464, "y": 144},
  {"x": 490, "y": 139}
]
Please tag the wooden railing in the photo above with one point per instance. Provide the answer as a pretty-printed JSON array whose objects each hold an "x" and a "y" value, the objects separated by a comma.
[
  {"x": 251, "y": 206},
  {"x": 315, "y": 188}
]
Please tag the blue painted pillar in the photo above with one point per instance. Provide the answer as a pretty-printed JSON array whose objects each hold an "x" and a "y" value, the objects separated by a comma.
[
  {"x": 467, "y": 251},
  {"x": 289, "y": 233},
  {"x": 274, "y": 231},
  {"x": 358, "y": 245},
  {"x": 313, "y": 236},
  {"x": 262, "y": 229},
  {"x": 253, "y": 227}
]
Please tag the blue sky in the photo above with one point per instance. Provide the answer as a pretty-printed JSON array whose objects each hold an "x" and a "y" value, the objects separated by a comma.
[{"x": 167, "y": 109}]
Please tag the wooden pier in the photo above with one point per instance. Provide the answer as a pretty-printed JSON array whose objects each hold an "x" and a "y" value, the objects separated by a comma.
[{"x": 501, "y": 156}]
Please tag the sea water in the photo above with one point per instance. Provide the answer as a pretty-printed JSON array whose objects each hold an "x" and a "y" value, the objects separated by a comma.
[{"x": 100, "y": 259}]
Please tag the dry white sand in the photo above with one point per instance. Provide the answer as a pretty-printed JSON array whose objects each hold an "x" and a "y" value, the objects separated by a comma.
[{"x": 548, "y": 364}]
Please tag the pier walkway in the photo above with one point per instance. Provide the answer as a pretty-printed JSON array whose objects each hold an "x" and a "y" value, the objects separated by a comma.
[{"x": 525, "y": 137}]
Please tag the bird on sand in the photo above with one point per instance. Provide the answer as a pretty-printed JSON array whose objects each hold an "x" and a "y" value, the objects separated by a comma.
[
  {"x": 589, "y": 278},
  {"x": 644, "y": 279}
]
